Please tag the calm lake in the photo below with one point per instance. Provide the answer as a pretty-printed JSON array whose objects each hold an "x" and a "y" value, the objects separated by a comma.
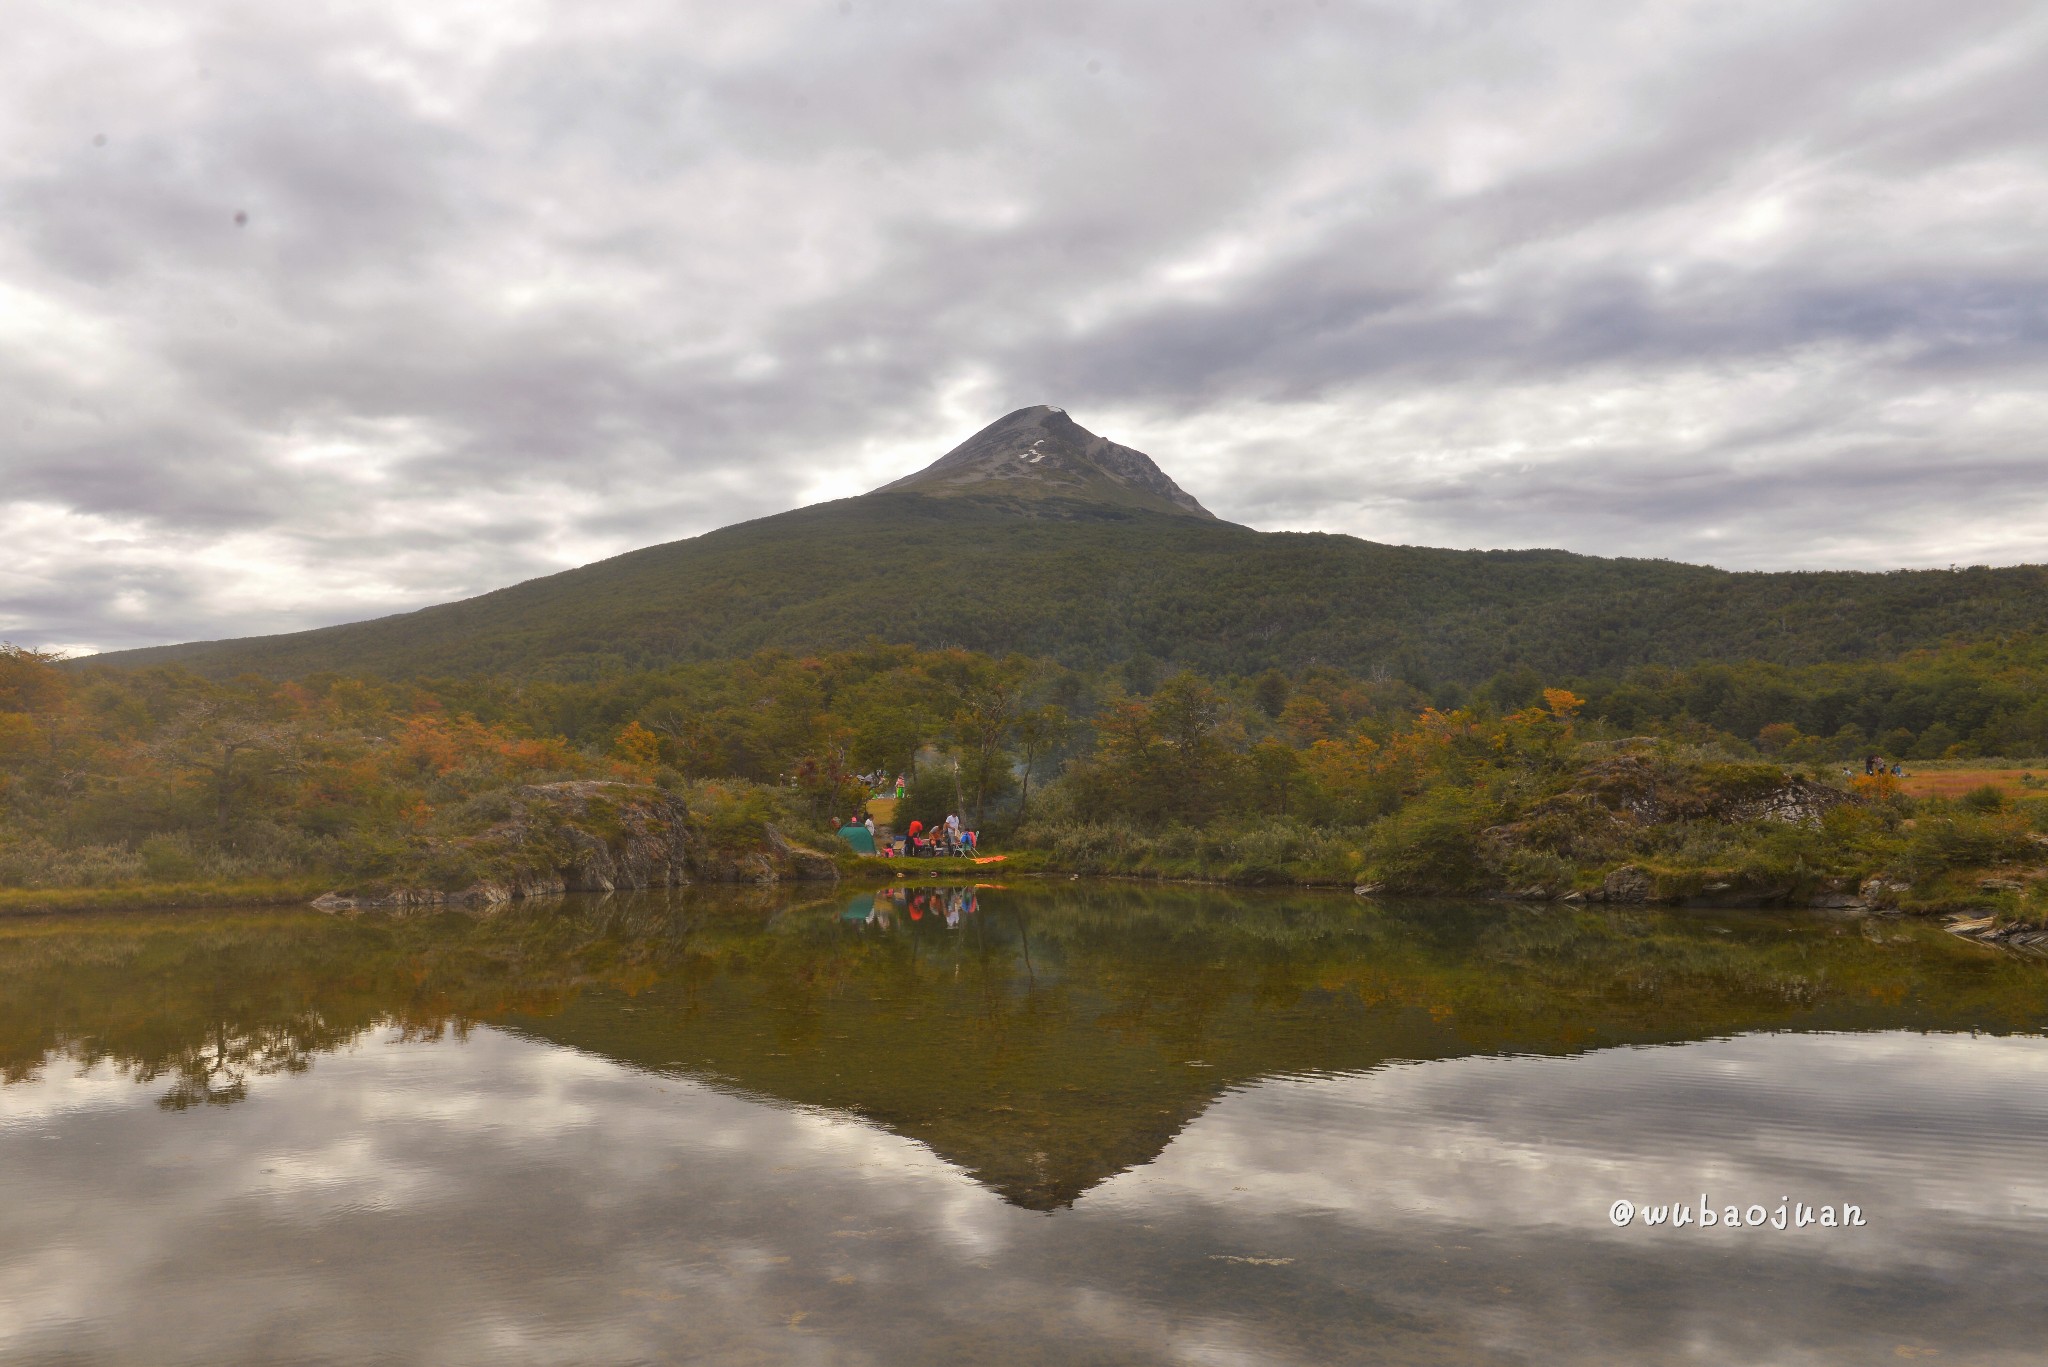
[{"x": 1079, "y": 1123}]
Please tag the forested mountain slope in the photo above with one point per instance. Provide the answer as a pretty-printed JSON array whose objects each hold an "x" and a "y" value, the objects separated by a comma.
[{"x": 1090, "y": 582}]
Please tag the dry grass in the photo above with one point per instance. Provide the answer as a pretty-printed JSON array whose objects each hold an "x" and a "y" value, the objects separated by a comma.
[{"x": 1955, "y": 782}]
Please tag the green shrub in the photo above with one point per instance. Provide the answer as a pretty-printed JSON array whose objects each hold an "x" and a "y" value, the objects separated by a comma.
[
  {"x": 1983, "y": 799},
  {"x": 169, "y": 858},
  {"x": 1725, "y": 784},
  {"x": 733, "y": 813},
  {"x": 1965, "y": 839},
  {"x": 482, "y": 811},
  {"x": 1431, "y": 845},
  {"x": 1530, "y": 868}
]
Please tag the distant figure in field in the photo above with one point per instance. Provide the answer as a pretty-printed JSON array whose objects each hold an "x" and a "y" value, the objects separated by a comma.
[
  {"x": 1898, "y": 771},
  {"x": 870, "y": 824},
  {"x": 899, "y": 787},
  {"x": 1869, "y": 764}
]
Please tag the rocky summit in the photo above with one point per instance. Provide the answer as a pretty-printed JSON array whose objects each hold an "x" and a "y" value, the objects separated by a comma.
[{"x": 1041, "y": 453}]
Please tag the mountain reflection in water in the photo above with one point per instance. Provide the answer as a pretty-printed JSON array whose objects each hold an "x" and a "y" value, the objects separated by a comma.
[{"x": 709, "y": 1125}]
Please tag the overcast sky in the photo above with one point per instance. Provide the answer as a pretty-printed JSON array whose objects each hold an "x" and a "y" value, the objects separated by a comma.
[{"x": 310, "y": 313}]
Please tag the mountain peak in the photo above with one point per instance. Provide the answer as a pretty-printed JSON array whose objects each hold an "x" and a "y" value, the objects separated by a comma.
[{"x": 1040, "y": 452}]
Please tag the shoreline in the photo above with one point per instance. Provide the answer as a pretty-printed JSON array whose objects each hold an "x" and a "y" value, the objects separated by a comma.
[
  {"x": 1977, "y": 924},
  {"x": 162, "y": 896}
]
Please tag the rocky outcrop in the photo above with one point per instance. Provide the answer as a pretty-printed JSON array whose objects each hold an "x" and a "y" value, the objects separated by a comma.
[
  {"x": 1040, "y": 452},
  {"x": 777, "y": 861},
  {"x": 1839, "y": 894},
  {"x": 2021, "y": 936},
  {"x": 1599, "y": 817},
  {"x": 799, "y": 861},
  {"x": 1627, "y": 884},
  {"x": 585, "y": 836},
  {"x": 1647, "y": 793},
  {"x": 1799, "y": 801}
]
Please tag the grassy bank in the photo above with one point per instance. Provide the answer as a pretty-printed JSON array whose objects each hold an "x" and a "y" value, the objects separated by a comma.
[
  {"x": 140, "y": 896},
  {"x": 1258, "y": 853},
  {"x": 1266, "y": 853},
  {"x": 1638, "y": 821}
]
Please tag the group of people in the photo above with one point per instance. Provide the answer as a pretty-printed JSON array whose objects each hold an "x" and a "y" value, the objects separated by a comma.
[
  {"x": 1874, "y": 764},
  {"x": 943, "y": 839},
  {"x": 946, "y": 839}
]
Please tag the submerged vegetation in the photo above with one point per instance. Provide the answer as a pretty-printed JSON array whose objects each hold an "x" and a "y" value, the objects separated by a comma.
[{"x": 1719, "y": 783}]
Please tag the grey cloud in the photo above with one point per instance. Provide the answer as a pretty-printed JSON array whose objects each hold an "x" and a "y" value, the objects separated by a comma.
[{"x": 537, "y": 286}]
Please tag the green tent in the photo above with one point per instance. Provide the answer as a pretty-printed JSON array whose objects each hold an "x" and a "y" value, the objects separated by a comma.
[{"x": 858, "y": 837}]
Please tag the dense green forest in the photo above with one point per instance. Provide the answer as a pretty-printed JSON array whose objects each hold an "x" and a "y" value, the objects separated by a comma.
[
  {"x": 1090, "y": 585},
  {"x": 1986, "y": 699}
]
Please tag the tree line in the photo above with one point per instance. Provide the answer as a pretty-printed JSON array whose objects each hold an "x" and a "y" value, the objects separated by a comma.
[{"x": 110, "y": 773}]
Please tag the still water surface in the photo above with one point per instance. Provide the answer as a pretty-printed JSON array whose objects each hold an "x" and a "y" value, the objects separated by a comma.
[{"x": 1081, "y": 1124}]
